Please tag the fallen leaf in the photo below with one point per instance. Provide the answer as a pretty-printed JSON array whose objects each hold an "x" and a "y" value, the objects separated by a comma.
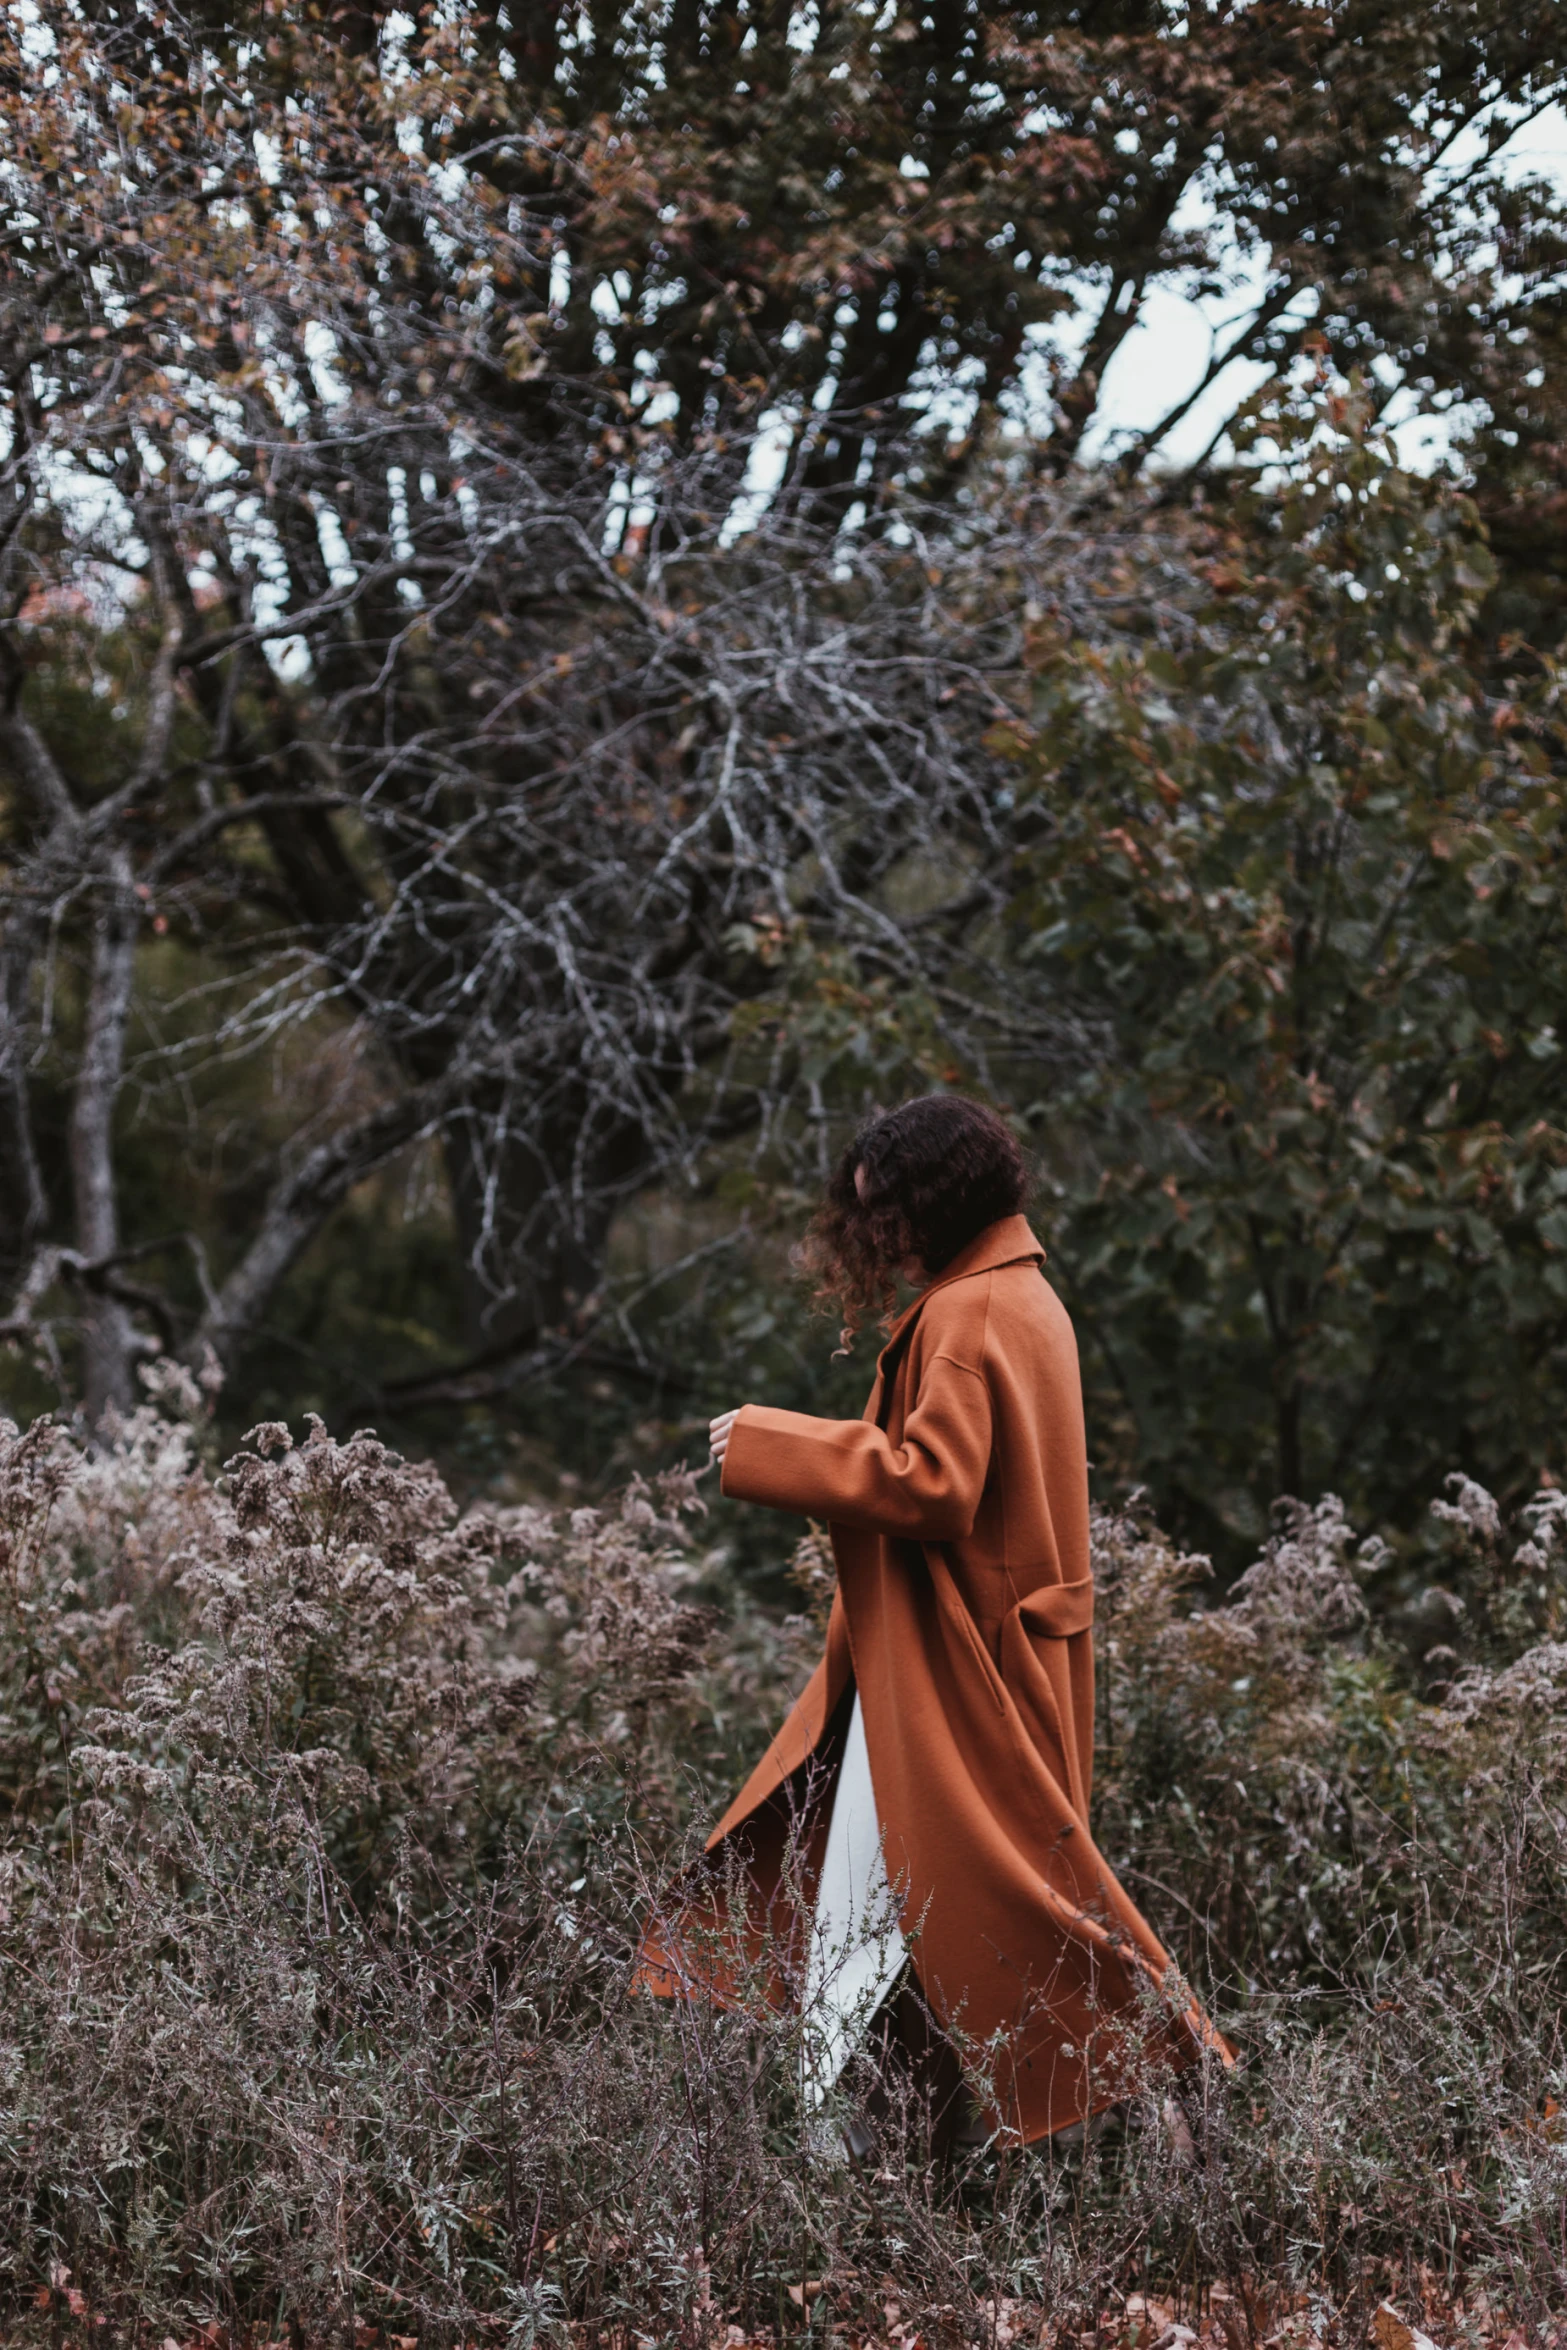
[{"x": 1390, "y": 2332}]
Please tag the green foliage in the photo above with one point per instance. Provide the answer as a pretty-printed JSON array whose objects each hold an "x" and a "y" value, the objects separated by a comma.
[{"x": 1300, "y": 850}]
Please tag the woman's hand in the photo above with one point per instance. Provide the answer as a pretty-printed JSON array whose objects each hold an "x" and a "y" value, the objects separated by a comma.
[{"x": 718, "y": 1434}]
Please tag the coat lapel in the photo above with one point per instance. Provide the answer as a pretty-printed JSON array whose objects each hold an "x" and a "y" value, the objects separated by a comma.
[{"x": 1010, "y": 1242}]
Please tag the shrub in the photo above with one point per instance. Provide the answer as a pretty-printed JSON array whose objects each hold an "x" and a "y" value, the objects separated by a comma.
[{"x": 331, "y": 1814}]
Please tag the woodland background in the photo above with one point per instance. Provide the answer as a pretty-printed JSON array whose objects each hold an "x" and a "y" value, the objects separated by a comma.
[{"x": 573, "y": 615}]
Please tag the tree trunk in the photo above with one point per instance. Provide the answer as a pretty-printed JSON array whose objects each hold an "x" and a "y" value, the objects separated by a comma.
[
  {"x": 24, "y": 1205},
  {"x": 110, "y": 1342},
  {"x": 1291, "y": 1472},
  {"x": 301, "y": 1200}
]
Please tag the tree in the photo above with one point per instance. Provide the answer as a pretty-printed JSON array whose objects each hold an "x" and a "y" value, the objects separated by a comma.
[
  {"x": 415, "y": 401},
  {"x": 882, "y": 216},
  {"x": 1302, "y": 840},
  {"x": 509, "y": 800}
]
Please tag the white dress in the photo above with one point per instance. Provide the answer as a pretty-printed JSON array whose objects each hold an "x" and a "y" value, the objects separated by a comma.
[{"x": 856, "y": 1949}]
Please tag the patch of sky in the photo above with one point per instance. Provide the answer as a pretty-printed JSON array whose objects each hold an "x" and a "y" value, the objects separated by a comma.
[
  {"x": 657, "y": 295},
  {"x": 766, "y": 464},
  {"x": 101, "y": 518},
  {"x": 321, "y": 356},
  {"x": 255, "y": 546},
  {"x": 616, "y": 506},
  {"x": 35, "y": 40},
  {"x": 804, "y": 28},
  {"x": 655, "y": 402},
  {"x": 401, "y": 535},
  {"x": 397, "y": 31},
  {"x": 440, "y": 241},
  {"x": 1190, "y": 318},
  {"x": 116, "y": 308},
  {"x": 944, "y": 392},
  {"x": 1497, "y": 150},
  {"x": 341, "y": 569}
]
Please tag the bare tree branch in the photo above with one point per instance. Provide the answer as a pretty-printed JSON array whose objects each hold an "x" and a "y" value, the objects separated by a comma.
[{"x": 298, "y": 1205}]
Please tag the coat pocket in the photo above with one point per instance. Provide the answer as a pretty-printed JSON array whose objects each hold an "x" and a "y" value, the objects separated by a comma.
[
  {"x": 1030, "y": 1631},
  {"x": 1056, "y": 1610}
]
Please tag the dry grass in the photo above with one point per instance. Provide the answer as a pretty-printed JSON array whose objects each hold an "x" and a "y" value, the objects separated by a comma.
[{"x": 329, "y": 1818}]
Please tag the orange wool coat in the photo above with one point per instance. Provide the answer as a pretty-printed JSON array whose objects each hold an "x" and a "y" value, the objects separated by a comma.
[{"x": 958, "y": 1507}]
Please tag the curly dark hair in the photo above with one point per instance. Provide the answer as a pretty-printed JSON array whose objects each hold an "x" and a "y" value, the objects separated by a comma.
[{"x": 938, "y": 1170}]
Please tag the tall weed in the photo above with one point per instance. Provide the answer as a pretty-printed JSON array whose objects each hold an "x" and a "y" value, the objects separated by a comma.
[{"x": 330, "y": 1816}]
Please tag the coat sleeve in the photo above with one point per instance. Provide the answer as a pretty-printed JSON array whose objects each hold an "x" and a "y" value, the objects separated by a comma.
[{"x": 926, "y": 1489}]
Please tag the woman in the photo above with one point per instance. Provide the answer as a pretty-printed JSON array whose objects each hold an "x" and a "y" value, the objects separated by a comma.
[{"x": 953, "y": 1708}]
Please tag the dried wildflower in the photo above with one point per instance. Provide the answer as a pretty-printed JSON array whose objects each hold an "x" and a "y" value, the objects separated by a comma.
[
  {"x": 1471, "y": 1508},
  {"x": 330, "y": 1813}
]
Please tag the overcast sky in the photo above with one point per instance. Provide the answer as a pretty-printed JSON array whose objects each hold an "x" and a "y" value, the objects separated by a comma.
[{"x": 1171, "y": 345}]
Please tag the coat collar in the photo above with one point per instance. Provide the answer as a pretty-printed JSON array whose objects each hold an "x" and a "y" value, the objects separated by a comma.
[{"x": 1011, "y": 1242}]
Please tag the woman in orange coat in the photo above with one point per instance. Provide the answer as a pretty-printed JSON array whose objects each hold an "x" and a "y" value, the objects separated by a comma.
[{"x": 958, "y": 1671}]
